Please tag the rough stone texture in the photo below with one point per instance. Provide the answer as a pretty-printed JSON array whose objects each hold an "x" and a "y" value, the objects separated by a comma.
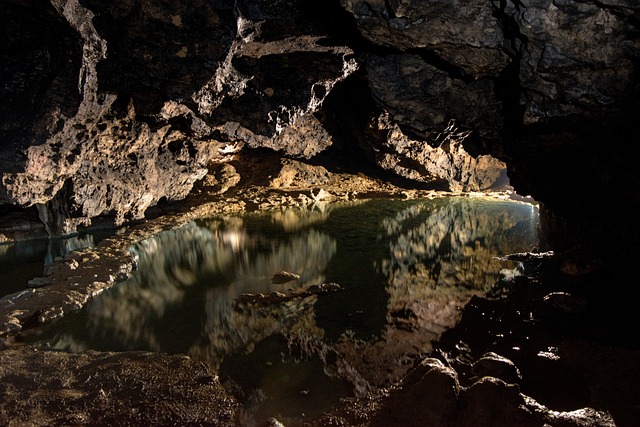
[
  {"x": 127, "y": 389},
  {"x": 113, "y": 108},
  {"x": 477, "y": 48},
  {"x": 443, "y": 160},
  {"x": 109, "y": 109},
  {"x": 577, "y": 57},
  {"x": 549, "y": 87},
  {"x": 419, "y": 95},
  {"x": 430, "y": 394},
  {"x": 494, "y": 365}
]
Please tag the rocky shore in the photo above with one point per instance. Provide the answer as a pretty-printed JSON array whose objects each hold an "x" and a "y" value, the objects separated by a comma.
[
  {"x": 484, "y": 372},
  {"x": 140, "y": 116}
]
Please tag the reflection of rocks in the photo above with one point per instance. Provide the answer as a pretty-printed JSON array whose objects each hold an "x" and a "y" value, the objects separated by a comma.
[
  {"x": 427, "y": 257},
  {"x": 278, "y": 297},
  {"x": 222, "y": 254},
  {"x": 440, "y": 255},
  {"x": 284, "y": 277}
]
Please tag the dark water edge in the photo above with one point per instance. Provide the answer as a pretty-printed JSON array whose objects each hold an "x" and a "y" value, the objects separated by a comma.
[
  {"x": 406, "y": 268},
  {"x": 24, "y": 260}
]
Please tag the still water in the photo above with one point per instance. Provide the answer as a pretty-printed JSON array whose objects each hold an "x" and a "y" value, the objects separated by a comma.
[
  {"x": 405, "y": 269},
  {"x": 24, "y": 260}
]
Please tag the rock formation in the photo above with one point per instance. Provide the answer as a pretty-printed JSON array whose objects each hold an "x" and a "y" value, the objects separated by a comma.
[{"x": 110, "y": 109}]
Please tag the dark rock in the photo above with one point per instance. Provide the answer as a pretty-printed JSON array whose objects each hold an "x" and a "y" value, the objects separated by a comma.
[
  {"x": 492, "y": 402},
  {"x": 428, "y": 395},
  {"x": 158, "y": 51},
  {"x": 565, "y": 302},
  {"x": 279, "y": 297},
  {"x": 478, "y": 49},
  {"x": 494, "y": 365}
]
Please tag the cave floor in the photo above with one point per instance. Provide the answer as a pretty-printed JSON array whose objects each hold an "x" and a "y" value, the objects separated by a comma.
[{"x": 576, "y": 352}]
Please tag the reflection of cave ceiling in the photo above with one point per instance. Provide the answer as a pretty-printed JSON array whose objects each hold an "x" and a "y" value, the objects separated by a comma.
[{"x": 431, "y": 257}]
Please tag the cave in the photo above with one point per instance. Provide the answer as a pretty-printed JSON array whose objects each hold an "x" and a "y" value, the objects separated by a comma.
[{"x": 122, "y": 120}]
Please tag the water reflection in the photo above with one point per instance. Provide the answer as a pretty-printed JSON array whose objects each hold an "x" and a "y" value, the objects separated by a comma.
[
  {"x": 22, "y": 261},
  {"x": 405, "y": 268}
]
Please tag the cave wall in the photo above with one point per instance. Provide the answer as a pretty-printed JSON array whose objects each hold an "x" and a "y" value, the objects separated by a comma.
[{"x": 110, "y": 107}]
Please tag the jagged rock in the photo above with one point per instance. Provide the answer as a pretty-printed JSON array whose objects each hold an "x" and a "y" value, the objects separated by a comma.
[
  {"x": 426, "y": 98},
  {"x": 295, "y": 174},
  {"x": 221, "y": 179},
  {"x": 478, "y": 49},
  {"x": 447, "y": 160},
  {"x": 110, "y": 108},
  {"x": 557, "y": 38},
  {"x": 135, "y": 115}
]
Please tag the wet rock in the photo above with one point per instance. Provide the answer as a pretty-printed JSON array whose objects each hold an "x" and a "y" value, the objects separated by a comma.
[
  {"x": 284, "y": 277},
  {"x": 279, "y": 297},
  {"x": 37, "y": 282},
  {"x": 566, "y": 303},
  {"x": 272, "y": 422},
  {"x": 492, "y": 402},
  {"x": 324, "y": 287},
  {"x": 494, "y": 365},
  {"x": 428, "y": 395}
]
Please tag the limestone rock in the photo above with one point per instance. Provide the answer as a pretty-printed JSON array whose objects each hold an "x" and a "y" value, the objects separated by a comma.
[
  {"x": 478, "y": 49},
  {"x": 492, "y": 402},
  {"x": 420, "y": 95},
  {"x": 446, "y": 161},
  {"x": 139, "y": 100}
]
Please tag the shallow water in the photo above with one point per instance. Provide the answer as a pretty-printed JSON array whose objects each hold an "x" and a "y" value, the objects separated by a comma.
[
  {"x": 405, "y": 269},
  {"x": 25, "y": 260}
]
